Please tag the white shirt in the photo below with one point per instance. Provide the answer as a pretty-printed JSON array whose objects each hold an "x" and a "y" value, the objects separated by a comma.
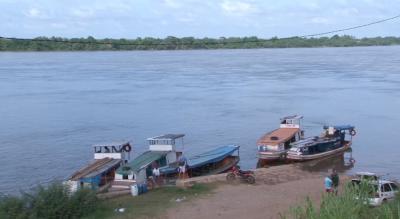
[{"x": 156, "y": 172}]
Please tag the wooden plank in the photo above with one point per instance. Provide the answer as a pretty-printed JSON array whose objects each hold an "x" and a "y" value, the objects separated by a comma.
[{"x": 90, "y": 168}]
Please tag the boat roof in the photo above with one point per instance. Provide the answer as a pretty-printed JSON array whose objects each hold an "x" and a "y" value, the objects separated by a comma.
[
  {"x": 212, "y": 156},
  {"x": 95, "y": 168},
  {"x": 140, "y": 162},
  {"x": 340, "y": 127},
  {"x": 167, "y": 137},
  {"x": 292, "y": 117},
  {"x": 365, "y": 174},
  {"x": 277, "y": 136}
]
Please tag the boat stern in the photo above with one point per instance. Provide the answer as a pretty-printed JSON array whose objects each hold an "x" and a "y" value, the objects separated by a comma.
[{"x": 265, "y": 153}]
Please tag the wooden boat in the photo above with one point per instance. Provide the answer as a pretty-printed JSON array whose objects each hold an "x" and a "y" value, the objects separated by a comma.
[
  {"x": 274, "y": 145},
  {"x": 100, "y": 172},
  {"x": 162, "y": 152},
  {"x": 332, "y": 141},
  {"x": 215, "y": 161}
]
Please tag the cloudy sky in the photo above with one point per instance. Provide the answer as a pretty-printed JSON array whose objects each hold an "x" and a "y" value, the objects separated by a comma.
[{"x": 198, "y": 18}]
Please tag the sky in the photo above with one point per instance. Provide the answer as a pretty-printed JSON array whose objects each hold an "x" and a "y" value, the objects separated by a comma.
[{"x": 197, "y": 18}]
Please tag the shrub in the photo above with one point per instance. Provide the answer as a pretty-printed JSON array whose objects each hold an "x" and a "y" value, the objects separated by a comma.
[{"x": 51, "y": 202}]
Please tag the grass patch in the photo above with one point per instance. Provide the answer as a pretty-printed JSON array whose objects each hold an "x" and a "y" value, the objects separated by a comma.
[
  {"x": 151, "y": 204},
  {"x": 346, "y": 206},
  {"x": 51, "y": 202}
]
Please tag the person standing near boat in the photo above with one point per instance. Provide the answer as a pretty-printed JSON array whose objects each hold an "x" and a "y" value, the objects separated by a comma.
[
  {"x": 328, "y": 184},
  {"x": 182, "y": 167},
  {"x": 335, "y": 181},
  {"x": 156, "y": 175}
]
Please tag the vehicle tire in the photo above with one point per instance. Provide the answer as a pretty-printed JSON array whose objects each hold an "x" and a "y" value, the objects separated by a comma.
[
  {"x": 230, "y": 177},
  {"x": 251, "y": 180},
  {"x": 384, "y": 201}
]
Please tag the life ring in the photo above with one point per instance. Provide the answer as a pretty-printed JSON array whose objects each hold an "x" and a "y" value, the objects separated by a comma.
[
  {"x": 352, "y": 160},
  {"x": 353, "y": 132},
  {"x": 127, "y": 148}
]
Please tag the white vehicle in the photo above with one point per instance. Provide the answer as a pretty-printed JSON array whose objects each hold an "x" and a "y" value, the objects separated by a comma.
[{"x": 384, "y": 190}]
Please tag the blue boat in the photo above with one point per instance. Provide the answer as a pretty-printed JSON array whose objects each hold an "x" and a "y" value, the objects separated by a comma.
[
  {"x": 215, "y": 161},
  {"x": 332, "y": 141}
]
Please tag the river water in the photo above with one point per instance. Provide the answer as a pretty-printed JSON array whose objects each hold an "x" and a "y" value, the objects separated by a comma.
[{"x": 55, "y": 105}]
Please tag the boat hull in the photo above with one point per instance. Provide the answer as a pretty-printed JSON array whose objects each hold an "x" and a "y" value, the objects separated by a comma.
[
  {"x": 272, "y": 155},
  {"x": 303, "y": 157}
]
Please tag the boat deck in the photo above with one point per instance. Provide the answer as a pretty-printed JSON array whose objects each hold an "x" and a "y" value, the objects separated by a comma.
[{"x": 277, "y": 136}]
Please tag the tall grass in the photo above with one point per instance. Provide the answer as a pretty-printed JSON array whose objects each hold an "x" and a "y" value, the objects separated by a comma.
[
  {"x": 53, "y": 201},
  {"x": 56, "y": 202},
  {"x": 350, "y": 204}
]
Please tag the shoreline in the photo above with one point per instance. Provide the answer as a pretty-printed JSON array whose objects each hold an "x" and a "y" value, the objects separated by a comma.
[
  {"x": 200, "y": 49},
  {"x": 277, "y": 190}
]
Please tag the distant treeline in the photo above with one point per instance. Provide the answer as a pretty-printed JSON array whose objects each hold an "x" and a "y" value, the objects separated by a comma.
[{"x": 184, "y": 43}]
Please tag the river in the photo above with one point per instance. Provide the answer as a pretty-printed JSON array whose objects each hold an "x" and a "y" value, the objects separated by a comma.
[{"x": 55, "y": 105}]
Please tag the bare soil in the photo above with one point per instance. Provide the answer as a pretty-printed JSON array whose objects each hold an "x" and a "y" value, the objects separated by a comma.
[{"x": 277, "y": 190}]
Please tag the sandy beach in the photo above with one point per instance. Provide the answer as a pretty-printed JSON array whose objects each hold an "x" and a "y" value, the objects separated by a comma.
[{"x": 276, "y": 191}]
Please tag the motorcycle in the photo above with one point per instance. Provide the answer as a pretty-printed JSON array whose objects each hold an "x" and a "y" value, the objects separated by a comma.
[{"x": 244, "y": 175}]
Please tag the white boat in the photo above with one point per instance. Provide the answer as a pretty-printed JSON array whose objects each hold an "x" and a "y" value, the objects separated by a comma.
[{"x": 274, "y": 145}]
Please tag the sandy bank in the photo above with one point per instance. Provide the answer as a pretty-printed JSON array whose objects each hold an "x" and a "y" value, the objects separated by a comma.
[{"x": 277, "y": 189}]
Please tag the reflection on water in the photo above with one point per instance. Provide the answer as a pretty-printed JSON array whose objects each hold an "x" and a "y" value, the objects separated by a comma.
[{"x": 342, "y": 162}]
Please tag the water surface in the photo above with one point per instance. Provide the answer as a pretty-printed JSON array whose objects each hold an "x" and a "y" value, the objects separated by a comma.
[{"x": 54, "y": 106}]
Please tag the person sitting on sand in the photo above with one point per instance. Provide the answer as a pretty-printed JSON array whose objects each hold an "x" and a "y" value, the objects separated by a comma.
[
  {"x": 328, "y": 184},
  {"x": 335, "y": 181}
]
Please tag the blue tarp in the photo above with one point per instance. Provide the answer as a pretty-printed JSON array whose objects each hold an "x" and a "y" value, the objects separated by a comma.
[
  {"x": 212, "y": 156},
  {"x": 341, "y": 127},
  {"x": 208, "y": 157}
]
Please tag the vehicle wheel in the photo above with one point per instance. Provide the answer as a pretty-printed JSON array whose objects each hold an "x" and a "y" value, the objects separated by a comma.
[
  {"x": 251, "y": 180},
  {"x": 230, "y": 177},
  {"x": 384, "y": 201}
]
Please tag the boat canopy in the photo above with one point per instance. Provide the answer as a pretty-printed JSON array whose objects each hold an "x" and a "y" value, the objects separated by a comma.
[
  {"x": 95, "y": 170},
  {"x": 294, "y": 117},
  {"x": 167, "y": 137},
  {"x": 341, "y": 127},
  {"x": 208, "y": 157},
  {"x": 212, "y": 156},
  {"x": 141, "y": 162}
]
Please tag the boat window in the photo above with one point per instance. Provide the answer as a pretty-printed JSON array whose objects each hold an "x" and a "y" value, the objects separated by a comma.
[
  {"x": 386, "y": 188},
  {"x": 394, "y": 187}
]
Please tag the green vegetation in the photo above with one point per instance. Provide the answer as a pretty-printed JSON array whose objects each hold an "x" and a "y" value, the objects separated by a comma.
[
  {"x": 348, "y": 206},
  {"x": 174, "y": 43},
  {"x": 151, "y": 204},
  {"x": 55, "y": 202}
]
